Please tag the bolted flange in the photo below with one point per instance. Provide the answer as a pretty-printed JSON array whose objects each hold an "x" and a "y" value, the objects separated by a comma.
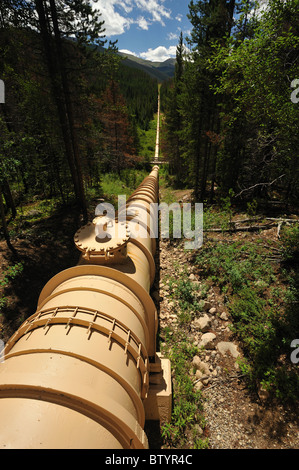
[{"x": 103, "y": 241}]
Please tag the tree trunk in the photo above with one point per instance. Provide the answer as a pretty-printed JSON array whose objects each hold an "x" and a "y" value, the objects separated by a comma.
[
  {"x": 61, "y": 92},
  {"x": 8, "y": 198},
  {"x": 69, "y": 108},
  {"x": 4, "y": 225}
]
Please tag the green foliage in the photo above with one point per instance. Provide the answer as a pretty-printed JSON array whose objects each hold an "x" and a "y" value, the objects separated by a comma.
[
  {"x": 140, "y": 92},
  {"x": 147, "y": 139},
  {"x": 257, "y": 82},
  {"x": 33, "y": 156},
  {"x": 290, "y": 242},
  {"x": 113, "y": 185},
  {"x": 231, "y": 120},
  {"x": 187, "y": 402},
  {"x": 187, "y": 406},
  {"x": 7, "y": 276},
  {"x": 11, "y": 273},
  {"x": 262, "y": 302}
]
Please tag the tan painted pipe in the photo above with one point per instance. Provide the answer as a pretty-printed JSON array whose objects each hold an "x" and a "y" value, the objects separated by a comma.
[{"x": 76, "y": 373}]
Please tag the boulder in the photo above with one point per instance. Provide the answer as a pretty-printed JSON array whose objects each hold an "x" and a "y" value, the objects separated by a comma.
[
  {"x": 207, "y": 341},
  {"x": 226, "y": 347},
  {"x": 203, "y": 323}
]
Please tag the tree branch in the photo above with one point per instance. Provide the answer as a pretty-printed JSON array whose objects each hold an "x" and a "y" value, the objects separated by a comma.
[{"x": 258, "y": 184}]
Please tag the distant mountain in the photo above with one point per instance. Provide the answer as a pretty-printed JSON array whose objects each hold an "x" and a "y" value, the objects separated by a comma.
[{"x": 159, "y": 70}]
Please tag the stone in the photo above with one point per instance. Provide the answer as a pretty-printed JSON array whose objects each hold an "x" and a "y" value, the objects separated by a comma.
[
  {"x": 198, "y": 374},
  {"x": 198, "y": 385},
  {"x": 203, "y": 323},
  {"x": 224, "y": 316},
  {"x": 207, "y": 340},
  {"x": 225, "y": 347},
  {"x": 202, "y": 368},
  {"x": 196, "y": 361},
  {"x": 33, "y": 213},
  {"x": 212, "y": 310},
  {"x": 199, "y": 431}
]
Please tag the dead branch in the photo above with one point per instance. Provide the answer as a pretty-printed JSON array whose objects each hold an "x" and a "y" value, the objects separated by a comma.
[
  {"x": 279, "y": 219},
  {"x": 248, "y": 228},
  {"x": 242, "y": 221},
  {"x": 278, "y": 229},
  {"x": 258, "y": 184}
]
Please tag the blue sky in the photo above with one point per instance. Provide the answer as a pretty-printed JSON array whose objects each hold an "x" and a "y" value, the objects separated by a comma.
[{"x": 146, "y": 28}]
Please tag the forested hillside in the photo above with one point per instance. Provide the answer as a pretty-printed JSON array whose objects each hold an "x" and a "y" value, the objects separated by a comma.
[
  {"x": 231, "y": 113},
  {"x": 71, "y": 113}
]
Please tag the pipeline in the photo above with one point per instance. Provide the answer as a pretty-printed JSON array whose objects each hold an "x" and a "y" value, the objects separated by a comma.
[{"x": 83, "y": 370}]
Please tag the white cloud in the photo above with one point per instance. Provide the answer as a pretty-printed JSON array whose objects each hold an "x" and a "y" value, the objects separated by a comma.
[
  {"x": 172, "y": 36},
  {"x": 142, "y": 23},
  {"x": 179, "y": 17},
  {"x": 115, "y": 24},
  {"x": 126, "y": 5},
  {"x": 119, "y": 15},
  {"x": 155, "y": 8},
  {"x": 159, "y": 54},
  {"x": 126, "y": 51}
]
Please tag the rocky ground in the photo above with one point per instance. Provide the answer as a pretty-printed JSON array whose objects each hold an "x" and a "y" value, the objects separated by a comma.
[{"x": 235, "y": 418}]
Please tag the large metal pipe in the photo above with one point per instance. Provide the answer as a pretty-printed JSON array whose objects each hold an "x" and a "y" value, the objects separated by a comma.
[{"x": 76, "y": 373}]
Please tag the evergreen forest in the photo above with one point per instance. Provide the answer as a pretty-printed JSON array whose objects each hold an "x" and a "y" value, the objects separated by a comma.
[
  {"x": 231, "y": 112},
  {"x": 72, "y": 110}
]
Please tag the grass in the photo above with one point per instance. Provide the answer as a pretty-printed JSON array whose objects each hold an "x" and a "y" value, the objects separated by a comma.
[
  {"x": 187, "y": 402},
  {"x": 30, "y": 214},
  {"x": 148, "y": 140},
  {"x": 262, "y": 298},
  {"x": 112, "y": 185},
  {"x": 187, "y": 422},
  {"x": 7, "y": 276}
]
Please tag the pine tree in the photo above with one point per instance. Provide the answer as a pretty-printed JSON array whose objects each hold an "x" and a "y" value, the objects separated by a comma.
[
  {"x": 50, "y": 25},
  {"x": 211, "y": 22},
  {"x": 118, "y": 143},
  {"x": 173, "y": 119}
]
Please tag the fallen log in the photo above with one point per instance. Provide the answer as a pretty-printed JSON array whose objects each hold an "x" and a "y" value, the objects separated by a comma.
[{"x": 248, "y": 228}]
